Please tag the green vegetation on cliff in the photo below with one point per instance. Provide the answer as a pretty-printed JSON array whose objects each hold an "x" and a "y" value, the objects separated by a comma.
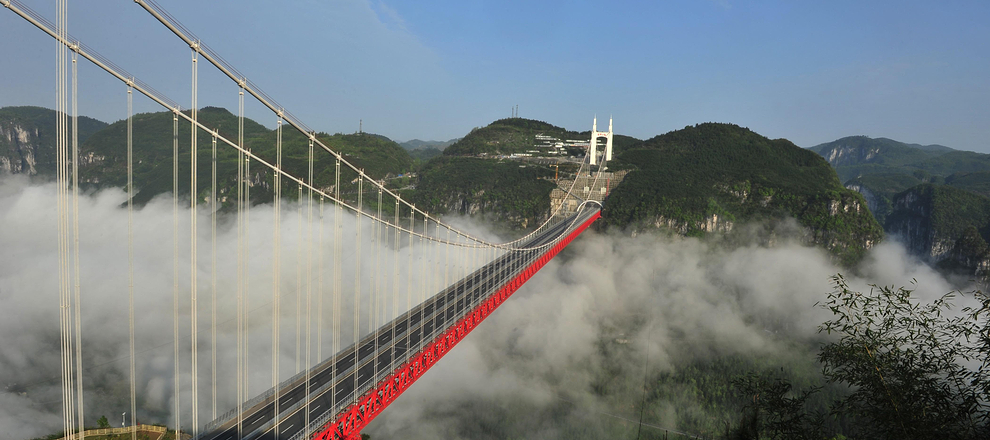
[
  {"x": 104, "y": 155},
  {"x": 710, "y": 176},
  {"x": 505, "y": 136},
  {"x": 517, "y": 135},
  {"x": 27, "y": 134},
  {"x": 930, "y": 195},
  {"x": 944, "y": 224},
  {"x": 504, "y": 190},
  {"x": 854, "y": 156}
]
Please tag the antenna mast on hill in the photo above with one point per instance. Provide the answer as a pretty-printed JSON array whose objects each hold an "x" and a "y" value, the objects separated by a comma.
[{"x": 360, "y": 126}]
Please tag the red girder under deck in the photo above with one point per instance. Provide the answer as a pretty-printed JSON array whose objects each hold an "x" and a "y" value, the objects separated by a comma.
[{"x": 348, "y": 424}]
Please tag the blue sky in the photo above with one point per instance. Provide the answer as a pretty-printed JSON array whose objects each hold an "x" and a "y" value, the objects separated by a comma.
[{"x": 804, "y": 70}]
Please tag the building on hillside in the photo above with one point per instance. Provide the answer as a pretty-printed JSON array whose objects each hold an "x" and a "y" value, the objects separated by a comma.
[{"x": 587, "y": 186}]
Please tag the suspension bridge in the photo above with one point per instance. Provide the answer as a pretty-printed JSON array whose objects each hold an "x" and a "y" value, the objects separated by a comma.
[{"x": 384, "y": 324}]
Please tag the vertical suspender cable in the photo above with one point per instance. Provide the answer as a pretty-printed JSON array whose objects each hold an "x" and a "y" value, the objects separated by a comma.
[
  {"x": 409, "y": 266},
  {"x": 319, "y": 286},
  {"x": 193, "y": 253},
  {"x": 395, "y": 281},
  {"x": 299, "y": 267},
  {"x": 378, "y": 297},
  {"x": 241, "y": 273},
  {"x": 336, "y": 312},
  {"x": 213, "y": 276},
  {"x": 357, "y": 284},
  {"x": 175, "y": 271},
  {"x": 446, "y": 265},
  {"x": 275, "y": 265},
  {"x": 435, "y": 270},
  {"x": 409, "y": 271},
  {"x": 130, "y": 253},
  {"x": 424, "y": 243},
  {"x": 427, "y": 261},
  {"x": 75, "y": 237},
  {"x": 247, "y": 258},
  {"x": 65, "y": 314},
  {"x": 309, "y": 282}
]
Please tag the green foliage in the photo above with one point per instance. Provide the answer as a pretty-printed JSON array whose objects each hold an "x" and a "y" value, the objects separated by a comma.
[
  {"x": 971, "y": 244},
  {"x": 975, "y": 182},
  {"x": 689, "y": 175},
  {"x": 503, "y": 188},
  {"x": 855, "y": 156},
  {"x": 506, "y": 136},
  {"x": 774, "y": 411},
  {"x": 912, "y": 370},
  {"x": 153, "y": 152},
  {"x": 915, "y": 370},
  {"x": 944, "y": 211},
  {"x": 103, "y": 423},
  {"x": 425, "y": 154},
  {"x": 883, "y": 188}
]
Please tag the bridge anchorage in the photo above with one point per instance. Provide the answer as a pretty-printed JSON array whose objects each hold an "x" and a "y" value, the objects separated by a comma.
[{"x": 385, "y": 323}]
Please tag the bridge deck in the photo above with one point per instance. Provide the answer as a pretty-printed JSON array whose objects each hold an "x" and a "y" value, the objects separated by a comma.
[{"x": 332, "y": 381}]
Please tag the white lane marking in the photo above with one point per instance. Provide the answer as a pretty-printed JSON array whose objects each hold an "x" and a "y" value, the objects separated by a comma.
[{"x": 287, "y": 428}]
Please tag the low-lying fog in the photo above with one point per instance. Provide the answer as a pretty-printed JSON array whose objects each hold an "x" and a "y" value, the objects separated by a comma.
[{"x": 537, "y": 368}]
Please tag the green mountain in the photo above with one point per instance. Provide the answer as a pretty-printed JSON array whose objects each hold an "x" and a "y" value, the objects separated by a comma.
[
  {"x": 711, "y": 177},
  {"x": 929, "y": 195},
  {"x": 975, "y": 182},
  {"x": 425, "y": 154},
  {"x": 858, "y": 155},
  {"x": 501, "y": 190},
  {"x": 517, "y": 135},
  {"x": 105, "y": 155},
  {"x": 417, "y": 144},
  {"x": 27, "y": 139},
  {"x": 880, "y": 168},
  {"x": 505, "y": 136},
  {"x": 947, "y": 226}
]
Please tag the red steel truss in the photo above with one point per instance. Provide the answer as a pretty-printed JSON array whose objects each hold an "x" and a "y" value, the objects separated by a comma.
[{"x": 348, "y": 424}]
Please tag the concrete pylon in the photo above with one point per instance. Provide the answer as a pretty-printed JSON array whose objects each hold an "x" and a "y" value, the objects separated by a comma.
[
  {"x": 593, "y": 148},
  {"x": 595, "y": 134},
  {"x": 608, "y": 143}
]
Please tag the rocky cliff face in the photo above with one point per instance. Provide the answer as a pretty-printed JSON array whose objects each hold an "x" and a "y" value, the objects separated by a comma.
[
  {"x": 477, "y": 205},
  {"x": 945, "y": 226},
  {"x": 22, "y": 145},
  {"x": 27, "y": 139},
  {"x": 872, "y": 200},
  {"x": 850, "y": 155}
]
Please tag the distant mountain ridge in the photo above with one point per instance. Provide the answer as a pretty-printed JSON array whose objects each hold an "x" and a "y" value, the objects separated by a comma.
[
  {"x": 853, "y": 155},
  {"x": 712, "y": 177},
  {"x": 417, "y": 144},
  {"x": 935, "y": 198}
]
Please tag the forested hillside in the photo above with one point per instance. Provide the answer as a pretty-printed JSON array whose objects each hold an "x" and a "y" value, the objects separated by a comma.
[
  {"x": 505, "y": 136},
  {"x": 711, "y": 177},
  {"x": 931, "y": 196},
  {"x": 503, "y": 191},
  {"x": 103, "y": 156},
  {"x": 27, "y": 139}
]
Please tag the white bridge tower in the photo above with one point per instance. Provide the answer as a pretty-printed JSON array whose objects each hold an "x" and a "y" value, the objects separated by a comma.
[{"x": 595, "y": 134}]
